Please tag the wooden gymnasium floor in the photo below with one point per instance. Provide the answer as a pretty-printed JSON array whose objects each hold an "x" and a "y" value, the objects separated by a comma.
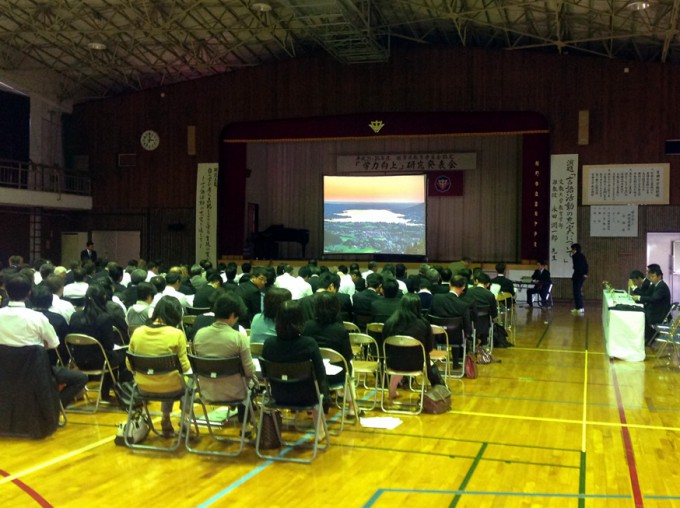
[{"x": 556, "y": 424}]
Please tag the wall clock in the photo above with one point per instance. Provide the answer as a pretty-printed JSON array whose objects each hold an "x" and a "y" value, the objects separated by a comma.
[{"x": 150, "y": 140}]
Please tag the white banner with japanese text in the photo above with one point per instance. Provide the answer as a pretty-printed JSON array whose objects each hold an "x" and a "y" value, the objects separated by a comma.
[
  {"x": 407, "y": 162},
  {"x": 563, "y": 212},
  {"x": 614, "y": 220},
  {"x": 206, "y": 212}
]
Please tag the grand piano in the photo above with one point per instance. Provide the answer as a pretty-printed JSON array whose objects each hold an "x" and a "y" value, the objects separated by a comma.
[{"x": 266, "y": 243}]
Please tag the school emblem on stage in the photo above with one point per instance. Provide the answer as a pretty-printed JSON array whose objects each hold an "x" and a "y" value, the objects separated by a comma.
[{"x": 442, "y": 183}]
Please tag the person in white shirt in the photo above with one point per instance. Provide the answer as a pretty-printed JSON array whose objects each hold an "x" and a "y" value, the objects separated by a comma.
[
  {"x": 21, "y": 326},
  {"x": 172, "y": 282},
  {"x": 65, "y": 309},
  {"x": 372, "y": 267},
  {"x": 346, "y": 283},
  {"x": 286, "y": 280},
  {"x": 78, "y": 287}
]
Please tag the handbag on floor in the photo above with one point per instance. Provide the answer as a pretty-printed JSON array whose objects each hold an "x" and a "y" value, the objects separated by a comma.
[
  {"x": 137, "y": 430},
  {"x": 437, "y": 400},
  {"x": 470, "y": 366},
  {"x": 269, "y": 439},
  {"x": 484, "y": 357}
]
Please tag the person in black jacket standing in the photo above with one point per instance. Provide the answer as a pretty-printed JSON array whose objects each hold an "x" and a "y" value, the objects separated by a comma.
[{"x": 579, "y": 276}]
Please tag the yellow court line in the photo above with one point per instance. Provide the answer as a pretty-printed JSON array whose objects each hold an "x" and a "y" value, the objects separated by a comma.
[
  {"x": 55, "y": 460},
  {"x": 577, "y": 351},
  {"x": 571, "y": 422},
  {"x": 585, "y": 402}
]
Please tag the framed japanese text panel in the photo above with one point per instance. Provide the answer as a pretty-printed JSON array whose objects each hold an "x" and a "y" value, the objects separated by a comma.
[
  {"x": 617, "y": 220},
  {"x": 626, "y": 184}
]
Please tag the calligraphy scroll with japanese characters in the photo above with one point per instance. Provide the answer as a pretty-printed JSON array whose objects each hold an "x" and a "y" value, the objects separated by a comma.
[
  {"x": 563, "y": 212},
  {"x": 206, "y": 212}
]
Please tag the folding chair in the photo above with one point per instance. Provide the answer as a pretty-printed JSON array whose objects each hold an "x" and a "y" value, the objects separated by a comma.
[
  {"x": 442, "y": 351},
  {"x": 188, "y": 321},
  {"x": 453, "y": 325},
  {"x": 293, "y": 387},
  {"x": 196, "y": 311},
  {"x": 76, "y": 345},
  {"x": 227, "y": 371},
  {"x": 119, "y": 337},
  {"x": 366, "y": 363},
  {"x": 536, "y": 297},
  {"x": 346, "y": 386},
  {"x": 663, "y": 328},
  {"x": 157, "y": 378},
  {"x": 506, "y": 313},
  {"x": 404, "y": 356},
  {"x": 484, "y": 316}
]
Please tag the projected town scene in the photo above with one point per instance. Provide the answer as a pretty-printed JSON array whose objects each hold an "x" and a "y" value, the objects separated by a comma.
[{"x": 374, "y": 215}]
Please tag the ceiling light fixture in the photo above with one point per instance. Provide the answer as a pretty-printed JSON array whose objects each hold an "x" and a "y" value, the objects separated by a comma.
[
  {"x": 639, "y": 6},
  {"x": 261, "y": 7},
  {"x": 97, "y": 46}
]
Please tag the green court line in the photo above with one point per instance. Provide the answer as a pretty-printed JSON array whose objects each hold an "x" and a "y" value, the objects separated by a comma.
[
  {"x": 468, "y": 476},
  {"x": 582, "y": 481},
  {"x": 545, "y": 332},
  {"x": 374, "y": 498},
  {"x": 458, "y": 440},
  {"x": 454, "y": 456}
]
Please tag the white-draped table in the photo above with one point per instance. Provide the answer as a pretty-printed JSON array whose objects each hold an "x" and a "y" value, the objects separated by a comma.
[{"x": 624, "y": 330}]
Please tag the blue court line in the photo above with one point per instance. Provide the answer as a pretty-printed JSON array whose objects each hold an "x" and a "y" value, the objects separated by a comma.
[
  {"x": 380, "y": 492},
  {"x": 234, "y": 485}
]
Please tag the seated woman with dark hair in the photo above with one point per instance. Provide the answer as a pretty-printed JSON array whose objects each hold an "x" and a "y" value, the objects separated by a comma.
[
  {"x": 162, "y": 337},
  {"x": 408, "y": 320},
  {"x": 95, "y": 321},
  {"x": 290, "y": 346},
  {"x": 263, "y": 324},
  {"x": 330, "y": 333}
]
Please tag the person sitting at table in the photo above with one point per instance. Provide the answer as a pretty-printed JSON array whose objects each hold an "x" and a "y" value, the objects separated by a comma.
[
  {"x": 638, "y": 283},
  {"x": 657, "y": 301},
  {"x": 541, "y": 280}
]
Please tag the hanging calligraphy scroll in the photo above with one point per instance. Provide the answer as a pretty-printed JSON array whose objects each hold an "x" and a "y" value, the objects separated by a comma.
[
  {"x": 563, "y": 212},
  {"x": 206, "y": 212}
]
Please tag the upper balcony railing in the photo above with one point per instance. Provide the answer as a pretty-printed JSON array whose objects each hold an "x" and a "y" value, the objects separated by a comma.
[{"x": 39, "y": 177}]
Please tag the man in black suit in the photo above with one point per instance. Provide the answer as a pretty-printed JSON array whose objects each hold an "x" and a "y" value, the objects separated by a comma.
[
  {"x": 506, "y": 284},
  {"x": 541, "y": 280},
  {"x": 382, "y": 308},
  {"x": 364, "y": 299},
  {"x": 657, "y": 301},
  {"x": 205, "y": 296},
  {"x": 328, "y": 282},
  {"x": 639, "y": 284},
  {"x": 452, "y": 305},
  {"x": 483, "y": 300},
  {"x": 250, "y": 292},
  {"x": 89, "y": 254}
]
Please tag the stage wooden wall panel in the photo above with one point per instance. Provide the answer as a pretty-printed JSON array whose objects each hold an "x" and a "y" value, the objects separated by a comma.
[{"x": 631, "y": 113}]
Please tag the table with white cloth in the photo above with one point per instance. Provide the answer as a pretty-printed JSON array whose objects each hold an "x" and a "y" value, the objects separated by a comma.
[{"x": 623, "y": 329}]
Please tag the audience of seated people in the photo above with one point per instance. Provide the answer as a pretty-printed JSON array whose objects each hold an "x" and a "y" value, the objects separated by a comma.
[{"x": 154, "y": 310}]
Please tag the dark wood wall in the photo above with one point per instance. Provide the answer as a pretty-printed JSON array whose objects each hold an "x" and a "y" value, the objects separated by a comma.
[{"x": 633, "y": 108}]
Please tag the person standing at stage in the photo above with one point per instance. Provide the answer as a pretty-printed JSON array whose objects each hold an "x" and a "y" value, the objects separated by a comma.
[
  {"x": 89, "y": 254},
  {"x": 579, "y": 276}
]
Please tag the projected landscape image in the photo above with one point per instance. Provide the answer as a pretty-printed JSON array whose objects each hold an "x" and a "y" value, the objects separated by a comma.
[{"x": 374, "y": 215}]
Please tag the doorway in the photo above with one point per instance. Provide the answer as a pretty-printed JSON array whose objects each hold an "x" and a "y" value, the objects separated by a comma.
[{"x": 664, "y": 250}]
